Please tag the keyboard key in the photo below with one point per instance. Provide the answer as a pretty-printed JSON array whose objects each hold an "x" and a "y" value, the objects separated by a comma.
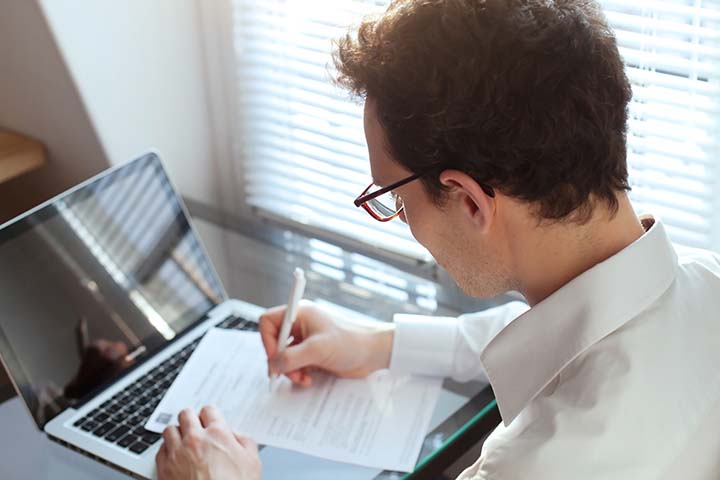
[
  {"x": 139, "y": 447},
  {"x": 103, "y": 429},
  {"x": 101, "y": 417},
  {"x": 151, "y": 437},
  {"x": 135, "y": 420},
  {"x": 127, "y": 440},
  {"x": 118, "y": 417},
  {"x": 89, "y": 425},
  {"x": 79, "y": 421},
  {"x": 119, "y": 432},
  {"x": 140, "y": 430},
  {"x": 113, "y": 408},
  {"x": 145, "y": 412}
]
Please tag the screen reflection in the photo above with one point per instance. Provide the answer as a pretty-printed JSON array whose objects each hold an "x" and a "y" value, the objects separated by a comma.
[{"x": 96, "y": 281}]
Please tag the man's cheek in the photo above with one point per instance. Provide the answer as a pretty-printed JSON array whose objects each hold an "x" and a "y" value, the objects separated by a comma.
[{"x": 422, "y": 232}]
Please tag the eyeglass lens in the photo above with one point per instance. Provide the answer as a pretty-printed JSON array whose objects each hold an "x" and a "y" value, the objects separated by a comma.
[{"x": 386, "y": 205}]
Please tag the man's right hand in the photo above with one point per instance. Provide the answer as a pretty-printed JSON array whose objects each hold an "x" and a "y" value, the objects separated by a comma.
[{"x": 342, "y": 347}]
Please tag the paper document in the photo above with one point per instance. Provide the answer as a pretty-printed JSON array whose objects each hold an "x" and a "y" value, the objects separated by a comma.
[{"x": 379, "y": 421}]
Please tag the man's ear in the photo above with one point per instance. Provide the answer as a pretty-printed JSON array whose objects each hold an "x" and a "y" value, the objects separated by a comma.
[{"x": 477, "y": 205}]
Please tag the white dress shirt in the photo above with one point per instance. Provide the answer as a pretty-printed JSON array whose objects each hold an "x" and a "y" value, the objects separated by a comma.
[{"x": 616, "y": 375}]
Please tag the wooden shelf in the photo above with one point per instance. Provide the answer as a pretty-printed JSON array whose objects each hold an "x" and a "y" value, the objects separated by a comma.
[{"x": 19, "y": 155}]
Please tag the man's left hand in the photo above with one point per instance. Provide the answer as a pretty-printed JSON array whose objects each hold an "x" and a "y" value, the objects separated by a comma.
[{"x": 206, "y": 448}]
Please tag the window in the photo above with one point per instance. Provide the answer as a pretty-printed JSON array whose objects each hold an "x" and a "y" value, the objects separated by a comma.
[
  {"x": 302, "y": 146},
  {"x": 672, "y": 54}
]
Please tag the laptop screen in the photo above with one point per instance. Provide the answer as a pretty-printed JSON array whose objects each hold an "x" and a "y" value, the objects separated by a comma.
[{"x": 95, "y": 281}]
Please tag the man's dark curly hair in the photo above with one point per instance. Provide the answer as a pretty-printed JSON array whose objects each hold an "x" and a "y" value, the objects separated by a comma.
[{"x": 527, "y": 96}]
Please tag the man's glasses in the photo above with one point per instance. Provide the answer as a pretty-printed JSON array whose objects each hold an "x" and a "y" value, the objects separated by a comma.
[{"x": 383, "y": 205}]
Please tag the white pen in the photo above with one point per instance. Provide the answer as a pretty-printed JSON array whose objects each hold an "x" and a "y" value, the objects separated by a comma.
[{"x": 296, "y": 292}]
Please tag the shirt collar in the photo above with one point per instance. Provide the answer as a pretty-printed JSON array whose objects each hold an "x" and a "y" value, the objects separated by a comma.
[{"x": 530, "y": 351}]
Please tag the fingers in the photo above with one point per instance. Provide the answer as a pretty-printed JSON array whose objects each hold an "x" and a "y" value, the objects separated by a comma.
[
  {"x": 162, "y": 460},
  {"x": 304, "y": 350},
  {"x": 171, "y": 438},
  {"x": 246, "y": 442},
  {"x": 209, "y": 414},
  {"x": 295, "y": 357},
  {"x": 300, "y": 377},
  {"x": 270, "y": 323},
  {"x": 189, "y": 423},
  {"x": 295, "y": 377}
]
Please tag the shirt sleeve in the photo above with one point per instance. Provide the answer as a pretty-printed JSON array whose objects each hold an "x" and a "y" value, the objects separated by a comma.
[{"x": 448, "y": 346}]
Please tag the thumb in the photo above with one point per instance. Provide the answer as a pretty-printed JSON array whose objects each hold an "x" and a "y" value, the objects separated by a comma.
[{"x": 295, "y": 357}]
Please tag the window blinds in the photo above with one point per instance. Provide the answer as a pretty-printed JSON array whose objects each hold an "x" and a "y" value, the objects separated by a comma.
[
  {"x": 301, "y": 140},
  {"x": 672, "y": 54},
  {"x": 302, "y": 151}
]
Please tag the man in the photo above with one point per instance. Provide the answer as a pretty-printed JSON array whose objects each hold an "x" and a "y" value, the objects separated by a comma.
[{"x": 499, "y": 127}]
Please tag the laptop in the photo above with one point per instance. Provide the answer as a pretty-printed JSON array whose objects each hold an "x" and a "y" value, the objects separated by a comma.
[{"x": 105, "y": 291}]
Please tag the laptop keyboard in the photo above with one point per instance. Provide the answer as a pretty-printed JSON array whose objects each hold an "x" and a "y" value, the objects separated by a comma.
[{"x": 121, "y": 419}]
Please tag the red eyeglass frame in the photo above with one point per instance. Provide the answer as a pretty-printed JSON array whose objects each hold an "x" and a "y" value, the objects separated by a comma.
[{"x": 364, "y": 197}]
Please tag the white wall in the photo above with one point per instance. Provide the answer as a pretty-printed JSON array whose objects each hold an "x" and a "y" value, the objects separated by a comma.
[
  {"x": 38, "y": 98},
  {"x": 138, "y": 66}
]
